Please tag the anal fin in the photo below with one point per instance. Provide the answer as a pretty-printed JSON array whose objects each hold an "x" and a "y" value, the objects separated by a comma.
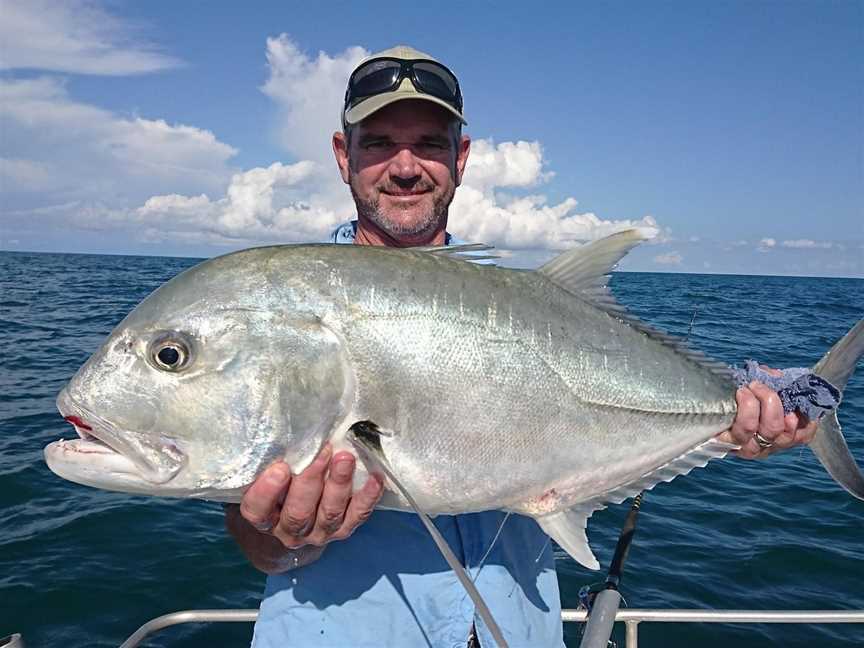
[{"x": 567, "y": 527}]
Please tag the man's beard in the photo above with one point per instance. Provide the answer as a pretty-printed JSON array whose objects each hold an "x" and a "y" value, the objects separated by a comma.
[{"x": 429, "y": 222}]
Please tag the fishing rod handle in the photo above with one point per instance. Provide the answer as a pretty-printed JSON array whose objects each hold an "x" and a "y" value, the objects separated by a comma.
[{"x": 601, "y": 620}]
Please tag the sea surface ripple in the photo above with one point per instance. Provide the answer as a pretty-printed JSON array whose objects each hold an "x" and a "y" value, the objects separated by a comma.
[{"x": 83, "y": 567}]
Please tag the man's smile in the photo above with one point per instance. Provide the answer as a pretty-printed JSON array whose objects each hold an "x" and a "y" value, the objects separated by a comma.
[{"x": 403, "y": 195}]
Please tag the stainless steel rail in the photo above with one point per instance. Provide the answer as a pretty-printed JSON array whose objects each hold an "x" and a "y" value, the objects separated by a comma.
[
  {"x": 631, "y": 618},
  {"x": 188, "y": 616}
]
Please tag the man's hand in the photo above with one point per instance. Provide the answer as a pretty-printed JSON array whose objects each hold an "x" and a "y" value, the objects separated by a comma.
[
  {"x": 760, "y": 411},
  {"x": 265, "y": 552},
  {"x": 312, "y": 508}
]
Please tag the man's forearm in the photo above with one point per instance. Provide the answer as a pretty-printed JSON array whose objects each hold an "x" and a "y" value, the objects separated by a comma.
[{"x": 264, "y": 551}]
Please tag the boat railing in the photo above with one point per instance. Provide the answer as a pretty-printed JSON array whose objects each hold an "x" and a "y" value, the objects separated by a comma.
[{"x": 630, "y": 617}]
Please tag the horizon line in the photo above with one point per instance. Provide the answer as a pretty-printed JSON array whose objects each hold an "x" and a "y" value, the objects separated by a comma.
[{"x": 615, "y": 271}]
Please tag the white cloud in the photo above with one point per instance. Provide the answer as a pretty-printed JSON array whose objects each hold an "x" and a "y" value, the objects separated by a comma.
[
  {"x": 509, "y": 164},
  {"x": 807, "y": 244},
  {"x": 61, "y": 150},
  {"x": 480, "y": 213},
  {"x": 23, "y": 174},
  {"x": 309, "y": 93},
  {"x": 249, "y": 210},
  {"x": 766, "y": 244},
  {"x": 669, "y": 258},
  {"x": 73, "y": 36}
]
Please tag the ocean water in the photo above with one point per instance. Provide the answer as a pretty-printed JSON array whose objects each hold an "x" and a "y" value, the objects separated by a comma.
[{"x": 82, "y": 567}]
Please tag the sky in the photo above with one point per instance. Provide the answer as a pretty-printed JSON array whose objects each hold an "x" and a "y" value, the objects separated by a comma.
[{"x": 733, "y": 131}]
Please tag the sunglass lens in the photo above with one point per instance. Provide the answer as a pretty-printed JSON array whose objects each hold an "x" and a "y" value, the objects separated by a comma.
[
  {"x": 378, "y": 76},
  {"x": 435, "y": 80}
]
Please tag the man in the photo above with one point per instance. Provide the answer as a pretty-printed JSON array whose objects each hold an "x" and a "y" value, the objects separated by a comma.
[{"x": 402, "y": 153}]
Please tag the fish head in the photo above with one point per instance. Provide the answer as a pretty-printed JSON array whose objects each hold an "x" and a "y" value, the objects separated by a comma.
[{"x": 195, "y": 392}]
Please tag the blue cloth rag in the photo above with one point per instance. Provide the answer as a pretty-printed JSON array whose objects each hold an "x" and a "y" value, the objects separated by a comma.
[{"x": 799, "y": 389}]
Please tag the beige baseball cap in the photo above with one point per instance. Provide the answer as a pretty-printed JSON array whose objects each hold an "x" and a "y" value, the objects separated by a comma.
[{"x": 406, "y": 90}]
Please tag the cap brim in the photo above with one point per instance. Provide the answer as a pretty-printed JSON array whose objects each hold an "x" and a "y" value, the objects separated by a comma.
[{"x": 373, "y": 104}]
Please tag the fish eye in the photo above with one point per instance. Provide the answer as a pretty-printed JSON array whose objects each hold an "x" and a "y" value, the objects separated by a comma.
[{"x": 170, "y": 354}]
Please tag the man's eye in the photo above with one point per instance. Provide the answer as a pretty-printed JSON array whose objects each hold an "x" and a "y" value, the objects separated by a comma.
[
  {"x": 377, "y": 146},
  {"x": 434, "y": 146}
]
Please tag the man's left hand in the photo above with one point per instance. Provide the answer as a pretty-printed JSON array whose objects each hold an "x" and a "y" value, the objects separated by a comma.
[{"x": 761, "y": 412}]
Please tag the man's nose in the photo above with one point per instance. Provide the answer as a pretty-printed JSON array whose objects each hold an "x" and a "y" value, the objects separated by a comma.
[{"x": 404, "y": 164}]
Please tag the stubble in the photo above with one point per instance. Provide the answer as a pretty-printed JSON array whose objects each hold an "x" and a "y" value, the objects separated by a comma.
[{"x": 398, "y": 228}]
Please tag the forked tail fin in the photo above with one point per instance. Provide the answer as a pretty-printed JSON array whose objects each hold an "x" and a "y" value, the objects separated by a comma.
[{"x": 829, "y": 445}]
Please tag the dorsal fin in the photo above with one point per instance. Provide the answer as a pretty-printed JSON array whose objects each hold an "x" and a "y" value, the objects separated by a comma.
[
  {"x": 461, "y": 252},
  {"x": 584, "y": 272}
]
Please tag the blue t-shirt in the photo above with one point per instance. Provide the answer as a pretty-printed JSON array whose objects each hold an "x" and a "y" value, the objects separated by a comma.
[{"x": 388, "y": 585}]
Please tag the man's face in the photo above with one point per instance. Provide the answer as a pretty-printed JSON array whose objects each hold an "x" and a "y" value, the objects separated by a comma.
[{"x": 403, "y": 165}]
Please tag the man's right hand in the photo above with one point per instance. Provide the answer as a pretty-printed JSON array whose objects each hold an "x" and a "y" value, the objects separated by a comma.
[{"x": 312, "y": 508}]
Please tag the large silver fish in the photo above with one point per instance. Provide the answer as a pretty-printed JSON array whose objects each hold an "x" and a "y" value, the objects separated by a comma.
[{"x": 532, "y": 392}]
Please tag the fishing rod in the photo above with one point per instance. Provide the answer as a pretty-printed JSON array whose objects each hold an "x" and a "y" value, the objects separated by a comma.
[{"x": 601, "y": 613}]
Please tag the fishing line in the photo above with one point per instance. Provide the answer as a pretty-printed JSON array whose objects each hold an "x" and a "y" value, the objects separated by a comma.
[
  {"x": 365, "y": 437},
  {"x": 492, "y": 544},
  {"x": 543, "y": 549},
  {"x": 692, "y": 319}
]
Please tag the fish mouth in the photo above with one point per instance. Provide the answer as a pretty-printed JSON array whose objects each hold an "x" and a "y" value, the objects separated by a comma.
[{"x": 153, "y": 459}]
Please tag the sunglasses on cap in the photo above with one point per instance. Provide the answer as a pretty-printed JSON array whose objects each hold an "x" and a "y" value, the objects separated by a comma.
[{"x": 382, "y": 75}]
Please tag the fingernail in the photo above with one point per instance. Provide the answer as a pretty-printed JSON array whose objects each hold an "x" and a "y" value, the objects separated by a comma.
[
  {"x": 343, "y": 468},
  {"x": 324, "y": 455},
  {"x": 374, "y": 484},
  {"x": 278, "y": 476}
]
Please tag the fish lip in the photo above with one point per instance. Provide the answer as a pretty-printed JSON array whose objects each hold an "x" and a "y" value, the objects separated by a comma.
[
  {"x": 165, "y": 461},
  {"x": 78, "y": 416}
]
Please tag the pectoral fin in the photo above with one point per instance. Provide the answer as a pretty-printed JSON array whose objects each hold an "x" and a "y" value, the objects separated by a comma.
[
  {"x": 567, "y": 528},
  {"x": 315, "y": 386}
]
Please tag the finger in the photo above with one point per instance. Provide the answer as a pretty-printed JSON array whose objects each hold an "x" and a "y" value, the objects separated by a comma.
[
  {"x": 336, "y": 495},
  {"x": 787, "y": 438},
  {"x": 726, "y": 437},
  {"x": 791, "y": 423},
  {"x": 260, "y": 502},
  {"x": 771, "y": 372},
  {"x": 301, "y": 503},
  {"x": 783, "y": 440},
  {"x": 771, "y": 423},
  {"x": 746, "y": 423},
  {"x": 361, "y": 506},
  {"x": 806, "y": 430}
]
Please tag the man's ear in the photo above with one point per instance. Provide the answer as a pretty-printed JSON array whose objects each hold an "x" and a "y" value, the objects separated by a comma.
[
  {"x": 340, "y": 150},
  {"x": 462, "y": 157}
]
